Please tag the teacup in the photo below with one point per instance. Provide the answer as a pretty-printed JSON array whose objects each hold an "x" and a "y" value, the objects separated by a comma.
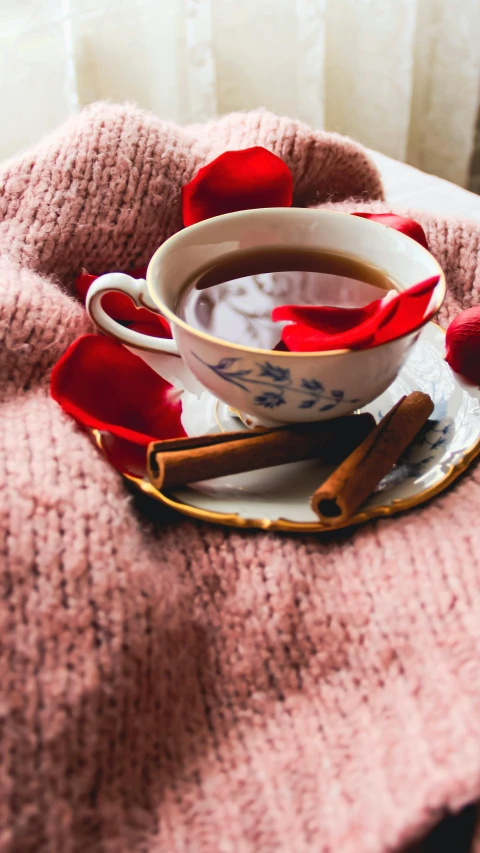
[{"x": 271, "y": 386}]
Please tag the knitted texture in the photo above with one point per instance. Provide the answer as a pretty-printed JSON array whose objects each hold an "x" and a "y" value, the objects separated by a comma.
[{"x": 174, "y": 687}]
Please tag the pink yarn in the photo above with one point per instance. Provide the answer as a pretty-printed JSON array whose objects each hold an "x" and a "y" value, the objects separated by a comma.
[{"x": 173, "y": 687}]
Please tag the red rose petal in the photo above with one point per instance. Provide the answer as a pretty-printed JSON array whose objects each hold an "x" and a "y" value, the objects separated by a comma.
[
  {"x": 125, "y": 456},
  {"x": 147, "y": 325},
  {"x": 84, "y": 280},
  {"x": 121, "y": 308},
  {"x": 301, "y": 337},
  {"x": 104, "y": 386},
  {"x": 237, "y": 180},
  {"x": 412, "y": 305},
  {"x": 319, "y": 328},
  {"x": 407, "y": 226},
  {"x": 124, "y": 311},
  {"x": 82, "y": 283},
  {"x": 305, "y": 339},
  {"x": 329, "y": 320}
]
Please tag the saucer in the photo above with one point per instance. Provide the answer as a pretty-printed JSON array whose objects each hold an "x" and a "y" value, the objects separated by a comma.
[{"x": 279, "y": 498}]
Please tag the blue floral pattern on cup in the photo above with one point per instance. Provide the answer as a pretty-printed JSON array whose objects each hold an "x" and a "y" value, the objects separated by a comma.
[{"x": 274, "y": 383}]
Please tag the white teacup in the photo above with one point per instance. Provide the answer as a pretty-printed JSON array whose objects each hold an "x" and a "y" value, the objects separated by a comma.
[{"x": 273, "y": 387}]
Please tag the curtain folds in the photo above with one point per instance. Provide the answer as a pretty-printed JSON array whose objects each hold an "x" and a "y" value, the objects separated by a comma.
[{"x": 401, "y": 76}]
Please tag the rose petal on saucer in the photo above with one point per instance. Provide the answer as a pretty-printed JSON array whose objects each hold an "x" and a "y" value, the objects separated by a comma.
[
  {"x": 104, "y": 386},
  {"x": 407, "y": 226},
  {"x": 237, "y": 180}
]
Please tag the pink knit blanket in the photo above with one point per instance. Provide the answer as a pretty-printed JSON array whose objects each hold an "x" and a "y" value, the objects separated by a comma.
[{"x": 173, "y": 687}]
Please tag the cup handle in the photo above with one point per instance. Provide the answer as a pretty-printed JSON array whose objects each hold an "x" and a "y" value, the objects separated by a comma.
[{"x": 136, "y": 289}]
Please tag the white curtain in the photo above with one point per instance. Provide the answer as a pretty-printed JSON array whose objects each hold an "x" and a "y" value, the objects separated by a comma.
[{"x": 401, "y": 76}]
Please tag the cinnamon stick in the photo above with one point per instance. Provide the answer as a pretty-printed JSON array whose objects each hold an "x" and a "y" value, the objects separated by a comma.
[
  {"x": 356, "y": 478},
  {"x": 174, "y": 463}
]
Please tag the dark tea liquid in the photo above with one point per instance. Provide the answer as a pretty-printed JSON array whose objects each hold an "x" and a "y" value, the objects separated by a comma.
[{"x": 233, "y": 298}]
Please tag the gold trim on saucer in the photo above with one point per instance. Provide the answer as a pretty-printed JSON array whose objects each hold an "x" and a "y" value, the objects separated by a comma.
[
  {"x": 283, "y": 524},
  {"x": 217, "y": 417}
]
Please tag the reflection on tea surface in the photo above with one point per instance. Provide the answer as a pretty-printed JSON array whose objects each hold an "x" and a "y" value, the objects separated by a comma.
[{"x": 234, "y": 298}]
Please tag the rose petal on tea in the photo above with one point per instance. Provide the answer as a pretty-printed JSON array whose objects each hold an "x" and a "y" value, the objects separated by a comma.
[
  {"x": 387, "y": 312},
  {"x": 330, "y": 320},
  {"x": 334, "y": 328},
  {"x": 383, "y": 320},
  {"x": 302, "y": 338},
  {"x": 409, "y": 227},
  {"x": 412, "y": 305},
  {"x": 305, "y": 339},
  {"x": 104, "y": 386},
  {"x": 237, "y": 180}
]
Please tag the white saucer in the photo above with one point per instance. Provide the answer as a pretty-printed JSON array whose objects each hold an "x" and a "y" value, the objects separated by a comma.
[{"x": 278, "y": 498}]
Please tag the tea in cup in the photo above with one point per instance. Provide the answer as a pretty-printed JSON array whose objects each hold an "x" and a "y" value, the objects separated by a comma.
[{"x": 217, "y": 282}]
